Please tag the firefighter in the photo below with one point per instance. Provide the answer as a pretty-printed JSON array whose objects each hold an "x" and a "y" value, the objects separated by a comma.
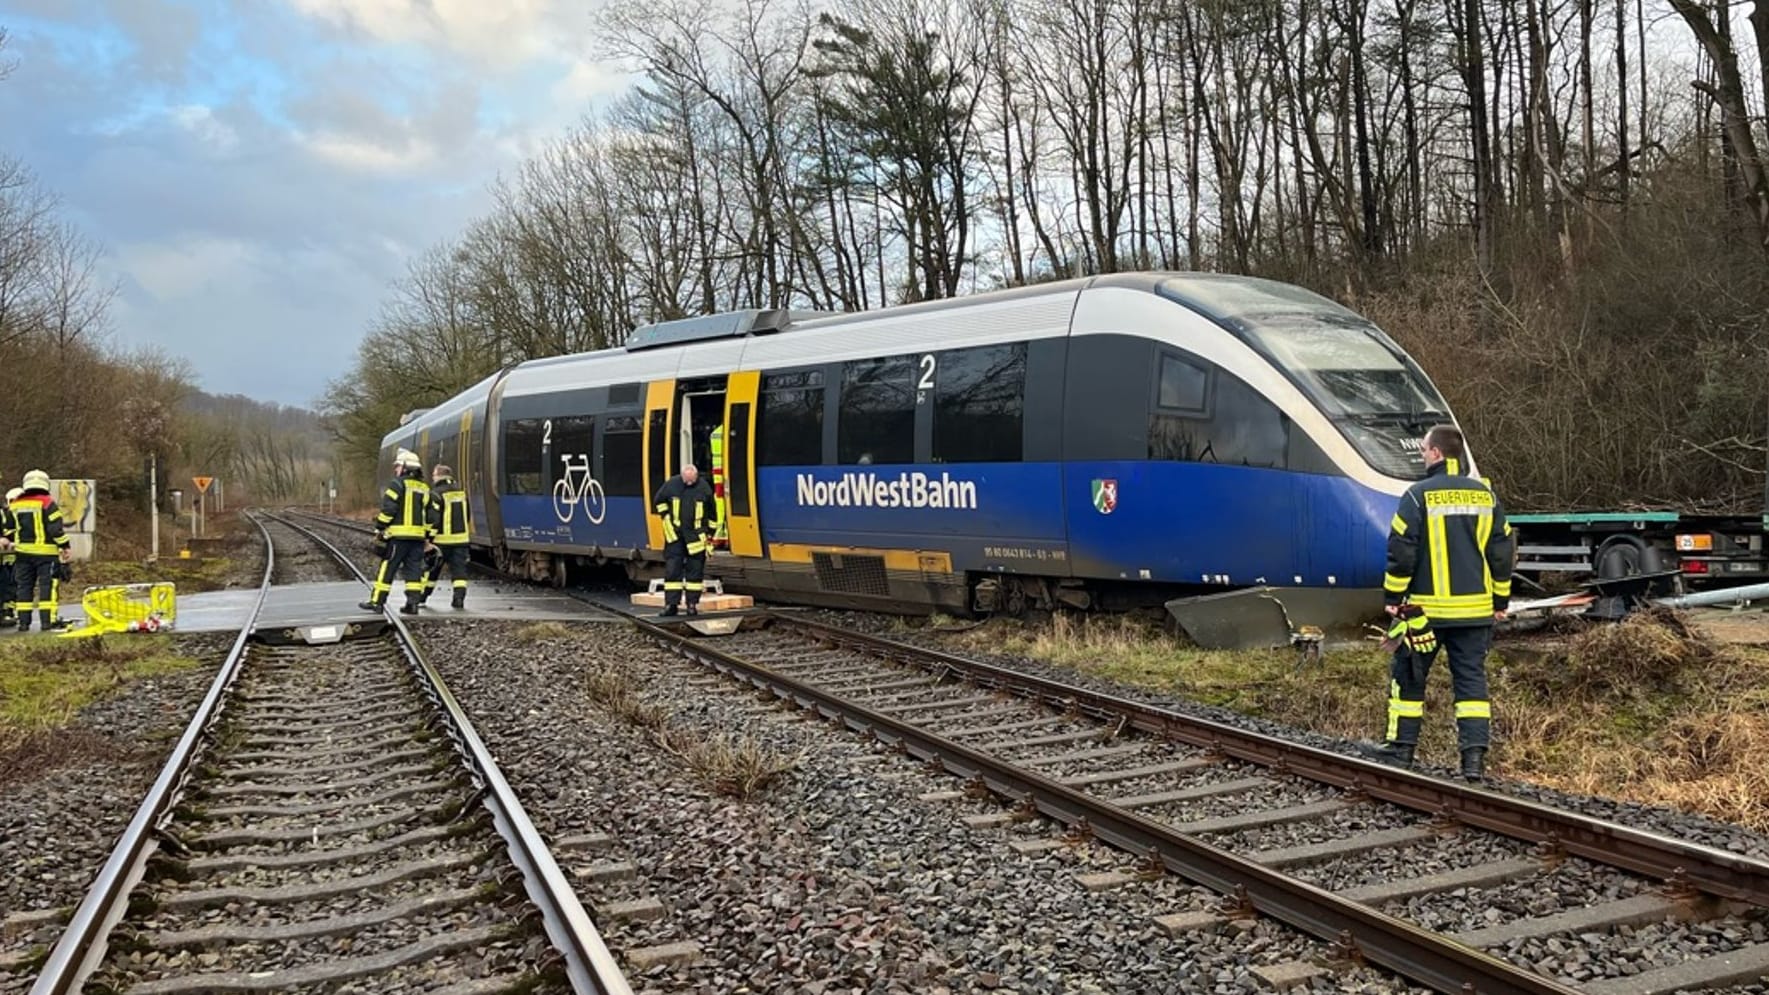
[
  {"x": 690, "y": 520},
  {"x": 718, "y": 447},
  {"x": 8, "y": 558},
  {"x": 39, "y": 545},
  {"x": 1448, "y": 581},
  {"x": 404, "y": 525},
  {"x": 448, "y": 515}
]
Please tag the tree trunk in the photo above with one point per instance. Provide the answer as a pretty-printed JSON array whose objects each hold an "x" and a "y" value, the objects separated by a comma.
[
  {"x": 1727, "y": 91},
  {"x": 1621, "y": 119},
  {"x": 1474, "y": 79}
]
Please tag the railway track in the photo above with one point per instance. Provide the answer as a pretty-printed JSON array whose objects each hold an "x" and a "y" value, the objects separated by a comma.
[
  {"x": 1315, "y": 839},
  {"x": 1312, "y": 838},
  {"x": 329, "y": 821}
]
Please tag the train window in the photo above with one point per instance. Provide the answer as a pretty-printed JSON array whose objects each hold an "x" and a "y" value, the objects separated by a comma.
[
  {"x": 623, "y": 395},
  {"x": 737, "y": 461},
  {"x": 1184, "y": 386},
  {"x": 877, "y": 420},
  {"x": 979, "y": 404},
  {"x": 573, "y": 436},
  {"x": 523, "y": 473},
  {"x": 623, "y": 444},
  {"x": 791, "y": 421},
  {"x": 1244, "y": 429},
  {"x": 1250, "y": 430}
]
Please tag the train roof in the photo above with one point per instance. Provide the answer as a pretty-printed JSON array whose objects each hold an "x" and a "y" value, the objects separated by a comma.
[{"x": 774, "y": 338}]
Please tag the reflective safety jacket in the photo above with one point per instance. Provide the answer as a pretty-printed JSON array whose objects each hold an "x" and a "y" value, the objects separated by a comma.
[
  {"x": 448, "y": 512},
  {"x": 405, "y": 509},
  {"x": 690, "y": 514},
  {"x": 35, "y": 527},
  {"x": 718, "y": 448},
  {"x": 1450, "y": 549}
]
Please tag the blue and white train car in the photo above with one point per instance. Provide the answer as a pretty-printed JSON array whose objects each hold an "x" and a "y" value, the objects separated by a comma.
[{"x": 1117, "y": 439}]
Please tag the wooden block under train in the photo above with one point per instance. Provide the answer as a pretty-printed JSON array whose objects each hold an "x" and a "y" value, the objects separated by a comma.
[{"x": 708, "y": 602}]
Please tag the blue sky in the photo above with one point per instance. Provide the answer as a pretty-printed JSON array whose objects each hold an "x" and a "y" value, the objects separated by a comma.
[{"x": 259, "y": 171}]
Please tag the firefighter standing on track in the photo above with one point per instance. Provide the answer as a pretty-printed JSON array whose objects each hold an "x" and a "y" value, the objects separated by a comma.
[
  {"x": 1449, "y": 579},
  {"x": 690, "y": 520},
  {"x": 39, "y": 545},
  {"x": 404, "y": 525},
  {"x": 8, "y": 559},
  {"x": 448, "y": 514}
]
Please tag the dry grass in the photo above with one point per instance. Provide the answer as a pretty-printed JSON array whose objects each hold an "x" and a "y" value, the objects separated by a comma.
[
  {"x": 737, "y": 766},
  {"x": 1643, "y": 711}
]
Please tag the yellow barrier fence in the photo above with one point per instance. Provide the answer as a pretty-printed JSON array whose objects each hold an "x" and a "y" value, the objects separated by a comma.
[{"x": 128, "y": 608}]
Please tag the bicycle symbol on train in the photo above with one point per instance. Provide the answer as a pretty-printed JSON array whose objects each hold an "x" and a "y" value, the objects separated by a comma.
[{"x": 575, "y": 487}]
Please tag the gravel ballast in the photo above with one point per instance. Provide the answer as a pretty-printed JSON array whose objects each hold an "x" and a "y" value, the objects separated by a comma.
[
  {"x": 837, "y": 877},
  {"x": 64, "y": 811},
  {"x": 1667, "y": 821}
]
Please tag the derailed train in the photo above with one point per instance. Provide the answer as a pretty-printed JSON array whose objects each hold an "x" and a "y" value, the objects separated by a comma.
[{"x": 1106, "y": 441}]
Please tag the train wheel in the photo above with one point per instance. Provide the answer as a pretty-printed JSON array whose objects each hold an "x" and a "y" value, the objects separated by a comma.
[{"x": 1013, "y": 598}]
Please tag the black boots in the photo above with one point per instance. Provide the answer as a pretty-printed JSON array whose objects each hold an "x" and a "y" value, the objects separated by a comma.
[
  {"x": 1474, "y": 763},
  {"x": 1399, "y": 754},
  {"x": 460, "y": 600},
  {"x": 668, "y": 612},
  {"x": 370, "y": 605}
]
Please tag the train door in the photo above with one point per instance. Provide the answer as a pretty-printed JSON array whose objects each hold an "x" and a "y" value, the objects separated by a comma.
[
  {"x": 464, "y": 451},
  {"x": 660, "y": 449},
  {"x": 487, "y": 486},
  {"x": 702, "y": 409},
  {"x": 742, "y": 510}
]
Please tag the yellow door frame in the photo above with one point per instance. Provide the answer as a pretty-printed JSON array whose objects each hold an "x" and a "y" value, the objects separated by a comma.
[
  {"x": 745, "y": 531},
  {"x": 660, "y": 395}
]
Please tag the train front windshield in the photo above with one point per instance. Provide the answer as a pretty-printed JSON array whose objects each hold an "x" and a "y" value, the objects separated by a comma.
[
  {"x": 1360, "y": 378},
  {"x": 1378, "y": 397}
]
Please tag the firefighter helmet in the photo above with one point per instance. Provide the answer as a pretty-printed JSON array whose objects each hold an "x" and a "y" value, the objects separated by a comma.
[{"x": 36, "y": 480}]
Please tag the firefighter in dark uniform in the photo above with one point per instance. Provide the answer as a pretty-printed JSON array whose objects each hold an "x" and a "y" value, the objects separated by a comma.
[
  {"x": 404, "y": 525},
  {"x": 8, "y": 558},
  {"x": 690, "y": 520},
  {"x": 39, "y": 545},
  {"x": 448, "y": 515},
  {"x": 1448, "y": 580}
]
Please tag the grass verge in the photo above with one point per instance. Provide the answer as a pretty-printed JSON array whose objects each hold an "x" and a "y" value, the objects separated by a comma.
[
  {"x": 45, "y": 680},
  {"x": 1644, "y": 711}
]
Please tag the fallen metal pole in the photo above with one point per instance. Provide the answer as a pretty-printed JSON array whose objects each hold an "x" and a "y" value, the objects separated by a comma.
[{"x": 1727, "y": 596}]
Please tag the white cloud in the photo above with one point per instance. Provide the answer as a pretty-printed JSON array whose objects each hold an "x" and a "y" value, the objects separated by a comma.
[
  {"x": 499, "y": 32},
  {"x": 367, "y": 155},
  {"x": 589, "y": 80},
  {"x": 178, "y": 269},
  {"x": 200, "y": 121}
]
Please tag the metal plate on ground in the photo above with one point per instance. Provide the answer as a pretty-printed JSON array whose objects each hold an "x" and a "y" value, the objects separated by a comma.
[{"x": 1266, "y": 617}]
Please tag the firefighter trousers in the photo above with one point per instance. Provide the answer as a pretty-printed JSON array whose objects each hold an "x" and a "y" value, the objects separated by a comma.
[
  {"x": 37, "y": 589},
  {"x": 683, "y": 573},
  {"x": 453, "y": 558},
  {"x": 1465, "y": 646},
  {"x": 405, "y": 558}
]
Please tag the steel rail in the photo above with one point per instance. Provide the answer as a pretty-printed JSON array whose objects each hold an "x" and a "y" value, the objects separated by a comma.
[
  {"x": 82, "y": 945},
  {"x": 1705, "y": 868},
  {"x": 1357, "y": 930},
  {"x": 1708, "y": 869},
  {"x": 589, "y": 964}
]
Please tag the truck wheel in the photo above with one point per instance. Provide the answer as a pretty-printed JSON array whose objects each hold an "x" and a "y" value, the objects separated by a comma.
[{"x": 1625, "y": 556}]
